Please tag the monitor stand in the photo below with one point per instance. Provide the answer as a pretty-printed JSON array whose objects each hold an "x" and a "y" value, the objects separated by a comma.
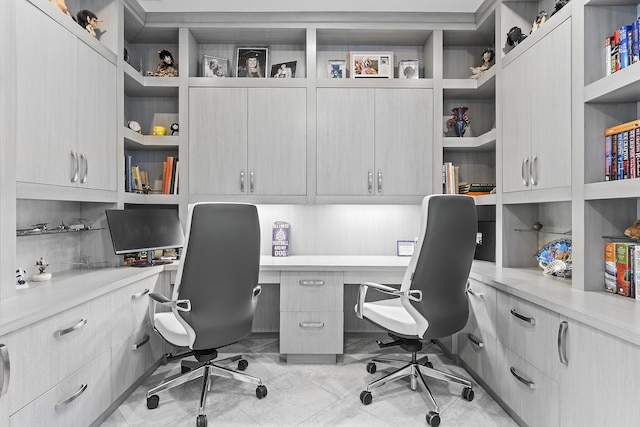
[{"x": 150, "y": 261}]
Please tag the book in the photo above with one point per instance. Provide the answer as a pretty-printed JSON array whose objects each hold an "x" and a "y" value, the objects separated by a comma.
[
  {"x": 635, "y": 42},
  {"x": 176, "y": 176},
  {"x": 637, "y": 137},
  {"x": 623, "y": 269},
  {"x": 624, "y": 46},
  {"x": 610, "y": 269},
  {"x": 624, "y": 137},
  {"x": 615, "y": 47},
  {"x": 168, "y": 171},
  {"x": 607, "y": 55},
  {"x": 636, "y": 270},
  {"x": 128, "y": 177},
  {"x": 172, "y": 183},
  {"x": 607, "y": 157},
  {"x": 631, "y": 135},
  {"x": 137, "y": 179}
]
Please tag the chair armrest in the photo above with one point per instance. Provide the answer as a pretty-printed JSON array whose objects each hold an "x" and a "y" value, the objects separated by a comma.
[
  {"x": 412, "y": 294},
  {"x": 180, "y": 305},
  {"x": 257, "y": 290}
]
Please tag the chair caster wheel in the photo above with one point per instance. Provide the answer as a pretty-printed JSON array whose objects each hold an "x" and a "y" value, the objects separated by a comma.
[
  {"x": 428, "y": 364},
  {"x": 242, "y": 365},
  {"x": 433, "y": 419},
  {"x": 371, "y": 368},
  {"x": 201, "y": 421},
  {"x": 366, "y": 397},
  {"x": 467, "y": 394},
  {"x": 184, "y": 369},
  {"x": 152, "y": 401},
  {"x": 261, "y": 391}
]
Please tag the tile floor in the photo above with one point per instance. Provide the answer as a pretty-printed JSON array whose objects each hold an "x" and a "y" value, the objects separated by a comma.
[{"x": 310, "y": 394}]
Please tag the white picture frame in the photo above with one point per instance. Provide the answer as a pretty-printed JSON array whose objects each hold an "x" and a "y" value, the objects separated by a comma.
[{"x": 369, "y": 65}]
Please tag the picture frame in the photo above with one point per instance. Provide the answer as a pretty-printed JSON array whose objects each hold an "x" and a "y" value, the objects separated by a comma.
[
  {"x": 409, "y": 69},
  {"x": 371, "y": 65},
  {"x": 284, "y": 70},
  {"x": 212, "y": 66},
  {"x": 336, "y": 69},
  {"x": 252, "y": 62},
  {"x": 406, "y": 247}
]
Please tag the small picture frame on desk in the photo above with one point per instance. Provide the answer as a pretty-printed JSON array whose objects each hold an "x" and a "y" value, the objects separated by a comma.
[{"x": 406, "y": 247}]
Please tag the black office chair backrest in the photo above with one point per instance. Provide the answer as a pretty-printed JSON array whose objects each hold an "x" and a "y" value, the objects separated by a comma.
[
  {"x": 444, "y": 262},
  {"x": 220, "y": 264}
]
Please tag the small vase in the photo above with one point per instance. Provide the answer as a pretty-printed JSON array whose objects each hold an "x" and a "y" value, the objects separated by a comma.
[{"x": 459, "y": 123}]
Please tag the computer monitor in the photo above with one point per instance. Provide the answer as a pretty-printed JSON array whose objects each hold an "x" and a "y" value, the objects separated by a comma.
[{"x": 144, "y": 230}]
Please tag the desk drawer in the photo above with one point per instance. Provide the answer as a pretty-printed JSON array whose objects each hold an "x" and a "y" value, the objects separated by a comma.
[
  {"x": 311, "y": 291},
  {"x": 311, "y": 332},
  {"x": 482, "y": 306},
  {"x": 130, "y": 306},
  {"x": 478, "y": 350}
]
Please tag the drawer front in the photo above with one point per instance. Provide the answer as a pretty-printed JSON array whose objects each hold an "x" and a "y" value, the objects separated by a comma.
[
  {"x": 69, "y": 404},
  {"x": 533, "y": 396},
  {"x": 130, "y": 306},
  {"x": 482, "y": 306},
  {"x": 478, "y": 350},
  {"x": 311, "y": 333},
  {"x": 132, "y": 357},
  {"x": 55, "y": 348},
  {"x": 530, "y": 331},
  {"x": 311, "y": 291}
]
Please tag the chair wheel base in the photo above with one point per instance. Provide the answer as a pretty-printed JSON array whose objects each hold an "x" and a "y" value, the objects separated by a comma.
[
  {"x": 366, "y": 397},
  {"x": 371, "y": 368},
  {"x": 433, "y": 419},
  {"x": 201, "y": 421},
  {"x": 242, "y": 365},
  {"x": 467, "y": 394},
  {"x": 152, "y": 401},
  {"x": 261, "y": 391}
]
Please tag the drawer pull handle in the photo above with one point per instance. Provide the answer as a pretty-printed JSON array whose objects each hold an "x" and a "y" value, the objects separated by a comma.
[
  {"x": 312, "y": 282},
  {"x": 62, "y": 332},
  {"x": 5, "y": 369},
  {"x": 145, "y": 340},
  {"x": 71, "y": 398},
  {"x": 529, "y": 320},
  {"x": 475, "y": 294},
  {"x": 562, "y": 342},
  {"x": 312, "y": 325},
  {"x": 523, "y": 380},
  {"x": 140, "y": 294},
  {"x": 475, "y": 341}
]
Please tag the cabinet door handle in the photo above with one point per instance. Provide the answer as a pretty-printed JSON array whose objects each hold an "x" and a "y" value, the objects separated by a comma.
[
  {"x": 242, "y": 180},
  {"x": 475, "y": 294},
  {"x": 475, "y": 341},
  {"x": 5, "y": 369},
  {"x": 522, "y": 379},
  {"x": 252, "y": 180},
  {"x": 62, "y": 332},
  {"x": 145, "y": 340},
  {"x": 533, "y": 170},
  {"x": 312, "y": 325},
  {"x": 370, "y": 177},
  {"x": 562, "y": 342},
  {"x": 524, "y": 171},
  {"x": 529, "y": 320},
  {"x": 140, "y": 294},
  {"x": 311, "y": 282},
  {"x": 379, "y": 181},
  {"x": 71, "y": 398},
  {"x": 85, "y": 161},
  {"x": 74, "y": 159}
]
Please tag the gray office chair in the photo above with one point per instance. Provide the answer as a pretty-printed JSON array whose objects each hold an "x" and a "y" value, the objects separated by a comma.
[
  {"x": 214, "y": 297},
  {"x": 432, "y": 301}
]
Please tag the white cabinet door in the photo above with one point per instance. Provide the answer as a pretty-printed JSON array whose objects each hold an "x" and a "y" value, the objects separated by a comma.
[
  {"x": 46, "y": 99},
  {"x": 345, "y": 141},
  {"x": 403, "y": 141}
]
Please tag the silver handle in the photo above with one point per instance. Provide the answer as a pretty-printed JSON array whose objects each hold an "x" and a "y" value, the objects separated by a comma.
[
  {"x": 145, "y": 340},
  {"x": 529, "y": 320},
  {"x": 71, "y": 398},
  {"x": 475, "y": 341},
  {"x": 370, "y": 180},
  {"x": 139, "y": 294},
  {"x": 252, "y": 180},
  {"x": 314, "y": 325},
  {"x": 379, "y": 181},
  {"x": 242, "y": 180},
  {"x": 475, "y": 294},
  {"x": 311, "y": 282},
  {"x": 562, "y": 342},
  {"x": 74, "y": 157},
  {"x": 522, "y": 379},
  {"x": 5, "y": 370},
  {"x": 62, "y": 332},
  {"x": 524, "y": 171},
  {"x": 85, "y": 161},
  {"x": 533, "y": 166}
]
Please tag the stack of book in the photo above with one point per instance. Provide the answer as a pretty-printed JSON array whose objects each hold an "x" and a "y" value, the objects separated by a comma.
[
  {"x": 622, "y": 151},
  {"x": 622, "y": 49},
  {"x": 477, "y": 189},
  {"x": 622, "y": 269},
  {"x": 136, "y": 180},
  {"x": 449, "y": 178}
]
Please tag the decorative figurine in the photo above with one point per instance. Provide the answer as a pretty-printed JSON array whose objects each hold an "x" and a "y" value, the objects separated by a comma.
[
  {"x": 88, "y": 20},
  {"x": 487, "y": 56},
  {"x": 20, "y": 282},
  {"x": 634, "y": 230},
  {"x": 166, "y": 67},
  {"x": 61, "y": 4},
  {"x": 459, "y": 120},
  {"x": 537, "y": 226},
  {"x": 558, "y": 5},
  {"x": 42, "y": 276},
  {"x": 175, "y": 129},
  {"x": 540, "y": 19},
  {"x": 515, "y": 36}
]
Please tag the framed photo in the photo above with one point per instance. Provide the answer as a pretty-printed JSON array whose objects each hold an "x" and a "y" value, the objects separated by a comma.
[
  {"x": 406, "y": 247},
  {"x": 284, "y": 70},
  {"x": 371, "y": 65},
  {"x": 336, "y": 69},
  {"x": 408, "y": 69},
  {"x": 215, "y": 67},
  {"x": 252, "y": 61}
]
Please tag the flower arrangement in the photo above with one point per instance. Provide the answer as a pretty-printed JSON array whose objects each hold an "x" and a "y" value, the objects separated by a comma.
[{"x": 459, "y": 121}]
